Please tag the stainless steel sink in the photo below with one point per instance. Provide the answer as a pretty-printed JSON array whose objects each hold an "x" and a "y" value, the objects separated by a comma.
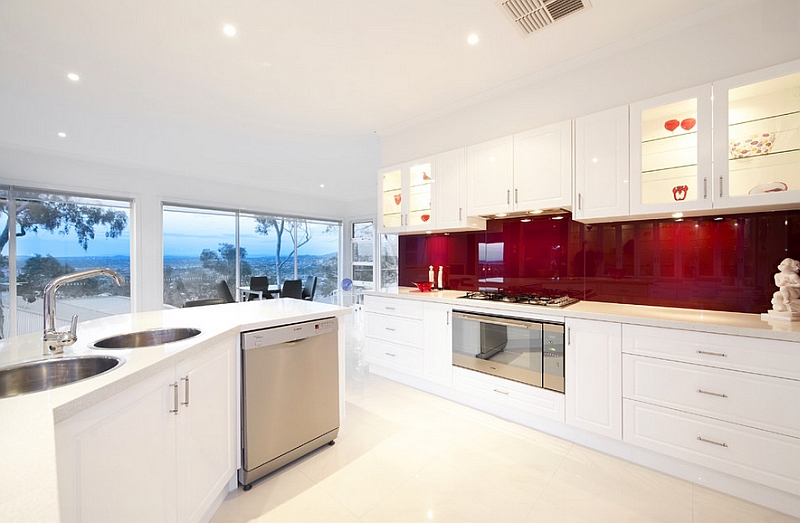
[
  {"x": 35, "y": 376},
  {"x": 148, "y": 338}
]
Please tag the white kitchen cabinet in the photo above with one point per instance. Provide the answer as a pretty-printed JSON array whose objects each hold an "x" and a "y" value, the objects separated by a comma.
[
  {"x": 757, "y": 139},
  {"x": 543, "y": 168},
  {"x": 450, "y": 193},
  {"x": 394, "y": 334},
  {"x": 490, "y": 177},
  {"x": 593, "y": 373},
  {"x": 725, "y": 402},
  {"x": 405, "y": 193},
  {"x": 601, "y": 166},
  {"x": 670, "y": 153},
  {"x": 438, "y": 350},
  {"x": 145, "y": 454}
]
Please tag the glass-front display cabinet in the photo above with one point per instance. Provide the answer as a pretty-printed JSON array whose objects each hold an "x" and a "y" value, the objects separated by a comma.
[
  {"x": 406, "y": 192},
  {"x": 670, "y": 153},
  {"x": 757, "y": 139}
]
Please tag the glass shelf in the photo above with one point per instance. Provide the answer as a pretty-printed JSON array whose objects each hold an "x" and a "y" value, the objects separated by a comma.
[
  {"x": 765, "y": 118},
  {"x": 670, "y": 137},
  {"x": 671, "y": 168}
]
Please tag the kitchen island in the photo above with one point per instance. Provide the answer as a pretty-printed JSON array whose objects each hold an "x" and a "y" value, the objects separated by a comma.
[{"x": 29, "y": 488}]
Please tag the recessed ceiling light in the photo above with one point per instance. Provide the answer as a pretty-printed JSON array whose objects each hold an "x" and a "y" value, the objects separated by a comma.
[
  {"x": 229, "y": 30},
  {"x": 74, "y": 77},
  {"x": 472, "y": 39},
  {"x": 62, "y": 135},
  {"x": 322, "y": 186}
]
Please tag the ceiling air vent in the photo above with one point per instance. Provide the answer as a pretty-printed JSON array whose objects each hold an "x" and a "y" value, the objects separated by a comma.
[{"x": 531, "y": 15}]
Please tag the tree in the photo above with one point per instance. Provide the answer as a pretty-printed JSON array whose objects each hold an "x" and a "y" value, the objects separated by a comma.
[
  {"x": 223, "y": 260},
  {"x": 265, "y": 224},
  {"x": 37, "y": 272}
]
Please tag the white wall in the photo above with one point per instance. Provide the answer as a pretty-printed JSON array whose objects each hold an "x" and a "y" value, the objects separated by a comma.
[
  {"x": 683, "y": 55},
  {"x": 148, "y": 189}
]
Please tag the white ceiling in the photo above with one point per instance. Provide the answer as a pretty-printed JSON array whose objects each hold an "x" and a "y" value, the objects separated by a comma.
[{"x": 297, "y": 98}]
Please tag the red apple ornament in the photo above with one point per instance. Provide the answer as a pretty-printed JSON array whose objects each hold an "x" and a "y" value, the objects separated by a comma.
[
  {"x": 671, "y": 125},
  {"x": 688, "y": 123}
]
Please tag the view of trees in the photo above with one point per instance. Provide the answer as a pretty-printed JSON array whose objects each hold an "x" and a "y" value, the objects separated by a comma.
[{"x": 63, "y": 215}]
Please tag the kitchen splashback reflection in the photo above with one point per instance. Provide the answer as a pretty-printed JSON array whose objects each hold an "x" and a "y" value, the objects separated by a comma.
[{"x": 714, "y": 263}]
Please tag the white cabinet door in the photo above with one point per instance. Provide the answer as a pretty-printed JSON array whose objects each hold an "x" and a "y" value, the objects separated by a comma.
[
  {"x": 601, "y": 166},
  {"x": 451, "y": 189},
  {"x": 757, "y": 139},
  {"x": 670, "y": 153},
  {"x": 543, "y": 168},
  {"x": 438, "y": 351},
  {"x": 405, "y": 193},
  {"x": 207, "y": 427},
  {"x": 490, "y": 177},
  {"x": 594, "y": 376},
  {"x": 116, "y": 460}
]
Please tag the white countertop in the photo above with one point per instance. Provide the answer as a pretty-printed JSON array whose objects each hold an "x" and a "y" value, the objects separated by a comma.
[
  {"x": 28, "y": 485},
  {"x": 718, "y": 322}
]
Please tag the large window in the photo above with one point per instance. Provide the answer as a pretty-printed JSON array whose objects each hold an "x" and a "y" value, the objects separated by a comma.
[
  {"x": 363, "y": 263},
  {"x": 202, "y": 247},
  {"x": 389, "y": 261},
  {"x": 45, "y": 235}
]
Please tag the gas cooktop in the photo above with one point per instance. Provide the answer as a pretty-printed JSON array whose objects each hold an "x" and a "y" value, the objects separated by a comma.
[{"x": 523, "y": 298}]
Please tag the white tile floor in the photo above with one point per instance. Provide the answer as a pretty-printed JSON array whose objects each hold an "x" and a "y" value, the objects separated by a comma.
[{"x": 405, "y": 456}]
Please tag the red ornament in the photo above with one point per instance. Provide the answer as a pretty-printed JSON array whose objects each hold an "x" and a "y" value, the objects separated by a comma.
[
  {"x": 671, "y": 125},
  {"x": 688, "y": 123}
]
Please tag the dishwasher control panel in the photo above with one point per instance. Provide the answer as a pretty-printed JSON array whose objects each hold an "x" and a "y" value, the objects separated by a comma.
[{"x": 288, "y": 333}]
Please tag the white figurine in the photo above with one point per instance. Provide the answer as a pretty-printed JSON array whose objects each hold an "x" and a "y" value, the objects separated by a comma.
[{"x": 787, "y": 297}]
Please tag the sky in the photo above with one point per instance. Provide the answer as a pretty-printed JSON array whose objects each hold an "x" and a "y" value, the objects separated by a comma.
[{"x": 184, "y": 235}]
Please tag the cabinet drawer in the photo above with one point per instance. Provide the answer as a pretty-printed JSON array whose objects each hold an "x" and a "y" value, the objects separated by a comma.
[
  {"x": 760, "y": 356},
  {"x": 403, "y": 359},
  {"x": 525, "y": 398},
  {"x": 761, "y": 402},
  {"x": 763, "y": 457},
  {"x": 411, "y": 309},
  {"x": 395, "y": 329}
]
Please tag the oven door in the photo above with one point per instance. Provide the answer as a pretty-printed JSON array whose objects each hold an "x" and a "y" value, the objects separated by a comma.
[{"x": 505, "y": 347}]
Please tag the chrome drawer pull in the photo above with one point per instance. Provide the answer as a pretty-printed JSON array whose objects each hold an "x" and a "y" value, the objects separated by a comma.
[
  {"x": 717, "y": 394},
  {"x": 175, "y": 398},
  {"x": 389, "y": 308},
  {"x": 390, "y": 329},
  {"x": 390, "y": 354},
  {"x": 185, "y": 391},
  {"x": 504, "y": 392},
  {"x": 707, "y": 353},
  {"x": 704, "y": 440}
]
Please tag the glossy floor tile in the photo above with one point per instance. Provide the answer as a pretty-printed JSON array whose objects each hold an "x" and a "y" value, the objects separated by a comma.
[{"x": 406, "y": 456}]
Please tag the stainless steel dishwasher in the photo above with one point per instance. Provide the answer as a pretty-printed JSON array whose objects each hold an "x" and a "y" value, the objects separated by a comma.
[{"x": 290, "y": 394}]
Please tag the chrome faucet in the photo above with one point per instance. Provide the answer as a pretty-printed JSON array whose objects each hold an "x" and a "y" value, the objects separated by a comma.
[{"x": 54, "y": 341}]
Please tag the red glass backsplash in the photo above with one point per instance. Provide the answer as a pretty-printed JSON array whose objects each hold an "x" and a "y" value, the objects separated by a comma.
[{"x": 724, "y": 263}]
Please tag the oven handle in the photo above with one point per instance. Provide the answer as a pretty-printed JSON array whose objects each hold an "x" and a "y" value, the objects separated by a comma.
[{"x": 497, "y": 320}]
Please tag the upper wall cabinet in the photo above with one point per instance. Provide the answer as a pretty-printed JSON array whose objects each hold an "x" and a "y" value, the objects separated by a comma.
[
  {"x": 490, "y": 177},
  {"x": 406, "y": 193},
  {"x": 757, "y": 139},
  {"x": 543, "y": 168},
  {"x": 670, "y": 153},
  {"x": 523, "y": 172},
  {"x": 450, "y": 193},
  {"x": 601, "y": 166}
]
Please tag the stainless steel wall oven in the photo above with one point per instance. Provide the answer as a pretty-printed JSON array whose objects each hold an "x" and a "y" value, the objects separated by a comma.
[{"x": 523, "y": 350}]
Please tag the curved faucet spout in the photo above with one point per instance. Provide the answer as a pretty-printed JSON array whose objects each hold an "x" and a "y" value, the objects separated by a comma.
[{"x": 54, "y": 341}]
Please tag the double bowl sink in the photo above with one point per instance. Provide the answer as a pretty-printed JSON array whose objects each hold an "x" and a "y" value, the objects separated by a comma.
[{"x": 39, "y": 375}]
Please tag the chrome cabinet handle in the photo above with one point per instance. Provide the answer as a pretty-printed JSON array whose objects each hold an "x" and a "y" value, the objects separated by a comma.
[
  {"x": 708, "y": 353},
  {"x": 185, "y": 381},
  {"x": 174, "y": 386},
  {"x": 720, "y": 186},
  {"x": 569, "y": 336},
  {"x": 448, "y": 317},
  {"x": 389, "y": 308},
  {"x": 579, "y": 201},
  {"x": 516, "y": 195},
  {"x": 390, "y": 354},
  {"x": 717, "y": 443},
  {"x": 705, "y": 188},
  {"x": 503, "y": 392},
  {"x": 717, "y": 394},
  {"x": 390, "y": 329},
  {"x": 508, "y": 197}
]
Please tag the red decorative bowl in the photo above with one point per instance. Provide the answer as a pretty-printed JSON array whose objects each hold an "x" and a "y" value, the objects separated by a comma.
[{"x": 424, "y": 286}]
